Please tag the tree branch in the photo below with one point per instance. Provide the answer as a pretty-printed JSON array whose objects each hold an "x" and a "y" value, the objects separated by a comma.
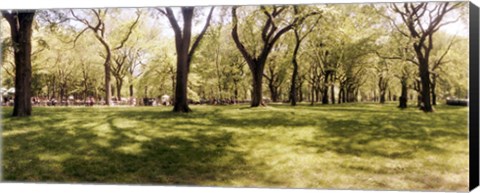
[
  {"x": 200, "y": 36},
  {"x": 236, "y": 39},
  {"x": 130, "y": 30}
]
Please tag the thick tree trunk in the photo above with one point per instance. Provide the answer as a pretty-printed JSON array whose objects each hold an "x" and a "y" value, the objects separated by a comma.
[
  {"x": 425, "y": 81},
  {"x": 62, "y": 94},
  {"x": 184, "y": 53},
  {"x": 382, "y": 97},
  {"x": 382, "y": 87},
  {"x": 273, "y": 92},
  {"x": 235, "y": 91},
  {"x": 300, "y": 92},
  {"x": 403, "y": 95},
  {"x": 181, "y": 101},
  {"x": 389, "y": 95},
  {"x": 325, "y": 90},
  {"x": 21, "y": 34},
  {"x": 257, "y": 87},
  {"x": 182, "y": 43},
  {"x": 119, "y": 88}
]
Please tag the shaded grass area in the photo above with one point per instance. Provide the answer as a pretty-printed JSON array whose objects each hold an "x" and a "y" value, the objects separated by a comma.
[{"x": 354, "y": 146}]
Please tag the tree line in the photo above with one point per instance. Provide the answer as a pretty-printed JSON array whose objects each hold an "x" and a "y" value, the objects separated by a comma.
[{"x": 336, "y": 53}]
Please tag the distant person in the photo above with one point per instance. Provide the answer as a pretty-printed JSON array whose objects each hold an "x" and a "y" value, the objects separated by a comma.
[
  {"x": 53, "y": 101},
  {"x": 92, "y": 101}
]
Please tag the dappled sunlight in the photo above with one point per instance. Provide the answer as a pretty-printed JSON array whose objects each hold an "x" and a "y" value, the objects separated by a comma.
[
  {"x": 134, "y": 148},
  {"x": 18, "y": 131},
  {"x": 54, "y": 157},
  {"x": 228, "y": 146},
  {"x": 103, "y": 130}
]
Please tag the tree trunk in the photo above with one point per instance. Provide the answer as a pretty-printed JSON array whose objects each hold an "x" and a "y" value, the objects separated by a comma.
[
  {"x": 325, "y": 90},
  {"x": 382, "y": 88},
  {"x": 182, "y": 42},
  {"x": 257, "y": 87},
  {"x": 332, "y": 81},
  {"x": 293, "y": 94},
  {"x": 300, "y": 92},
  {"x": 235, "y": 91},
  {"x": 312, "y": 94},
  {"x": 85, "y": 90},
  {"x": 403, "y": 95},
  {"x": 131, "y": 90},
  {"x": 119, "y": 88},
  {"x": 389, "y": 95},
  {"x": 425, "y": 80},
  {"x": 434, "y": 85},
  {"x": 184, "y": 53},
  {"x": 21, "y": 34},
  {"x": 382, "y": 97},
  {"x": 293, "y": 86},
  {"x": 273, "y": 92},
  {"x": 340, "y": 93},
  {"x": 62, "y": 94},
  {"x": 181, "y": 103}
]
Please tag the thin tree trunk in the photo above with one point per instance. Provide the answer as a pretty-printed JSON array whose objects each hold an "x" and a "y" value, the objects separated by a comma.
[
  {"x": 131, "y": 90},
  {"x": 293, "y": 94},
  {"x": 434, "y": 85},
  {"x": 312, "y": 94},
  {"x": 325, "y": 90},
  {"x": 332, "y": 81}
]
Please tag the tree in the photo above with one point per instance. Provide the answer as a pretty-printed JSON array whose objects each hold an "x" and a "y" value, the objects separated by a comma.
[
  {"x": 184, "y": 51},
  {"x": 21, "y": 34},
  {"x": 276, "y": 71},
  {"x": 422, "y": 21},
  {"x": 270, "y": 33},
  {"x": 438, "y": 59},
  {"x": 97, "y": 26},
  {"x": 300, "y": 35}
]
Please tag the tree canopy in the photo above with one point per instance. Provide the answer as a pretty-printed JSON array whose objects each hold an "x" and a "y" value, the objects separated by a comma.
[{"x": 335, "y": 53}]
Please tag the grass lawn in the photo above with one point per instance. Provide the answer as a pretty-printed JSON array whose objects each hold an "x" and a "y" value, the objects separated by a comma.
[{"x": 348, "y": 146}]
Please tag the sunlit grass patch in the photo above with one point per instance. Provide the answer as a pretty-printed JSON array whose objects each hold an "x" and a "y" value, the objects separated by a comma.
[{"x": 360, "y": 146}]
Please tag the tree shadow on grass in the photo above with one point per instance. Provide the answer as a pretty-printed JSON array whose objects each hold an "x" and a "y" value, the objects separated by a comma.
[
  {"x": 56, "y": 154},
  {"x": 169, "y": 160},
  {"x": 391, "y": 136}
]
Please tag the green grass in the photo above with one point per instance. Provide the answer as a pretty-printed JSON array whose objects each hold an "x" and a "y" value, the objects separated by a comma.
[{"x": 348, "y": 146}]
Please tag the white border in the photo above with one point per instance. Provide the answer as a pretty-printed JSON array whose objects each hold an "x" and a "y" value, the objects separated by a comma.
[
  {"x": 82, "y": 188},
  {"x": 45, "y": 4}
]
